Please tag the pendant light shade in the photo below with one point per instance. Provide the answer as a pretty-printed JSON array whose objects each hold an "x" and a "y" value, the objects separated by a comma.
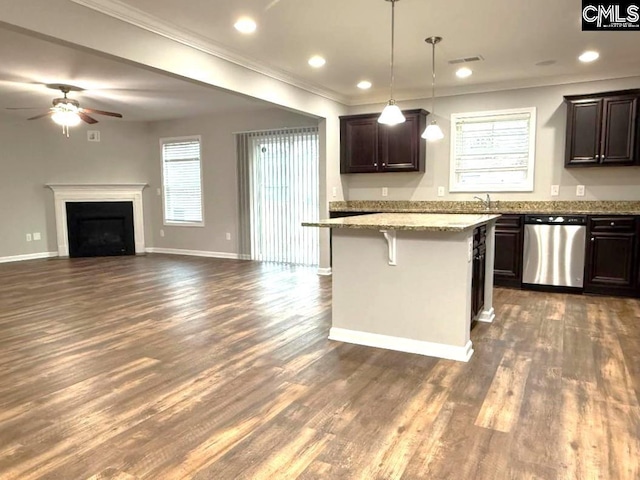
[
  {"x": 433, "y": 132},
  {"x": 392, "y": 115}
]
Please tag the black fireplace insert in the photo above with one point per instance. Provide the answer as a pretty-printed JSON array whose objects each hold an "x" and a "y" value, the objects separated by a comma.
[{"x": 99, "y": 229}]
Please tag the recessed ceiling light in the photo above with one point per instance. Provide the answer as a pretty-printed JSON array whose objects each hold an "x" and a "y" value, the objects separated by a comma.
[
  {"x": 317, "y": 61},
  {"x": 464, "y": 72},
  {"x": 589, "y": 56},
  {"x": 364, "y": 85},
  {"x": 245, "y": 25}
]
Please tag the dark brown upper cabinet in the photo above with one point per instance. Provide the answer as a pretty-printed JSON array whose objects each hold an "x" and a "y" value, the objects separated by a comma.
[
  {"x": 602, "y": 129},
  {"x": 369, "y": 147}
]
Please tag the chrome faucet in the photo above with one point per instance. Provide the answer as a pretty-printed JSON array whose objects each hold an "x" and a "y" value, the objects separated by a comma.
[{"x": 485, "y": 202}]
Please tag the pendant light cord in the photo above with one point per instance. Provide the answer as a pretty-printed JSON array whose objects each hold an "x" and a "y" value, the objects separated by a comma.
[
  {"x": 393, "y": 23},
  {"x": 433, "y": 80}
]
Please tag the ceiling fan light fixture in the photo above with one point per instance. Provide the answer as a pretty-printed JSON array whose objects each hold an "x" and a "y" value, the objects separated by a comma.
[
  {"x": 67, "y": 117},
  {"x": 392, "y": 115}
]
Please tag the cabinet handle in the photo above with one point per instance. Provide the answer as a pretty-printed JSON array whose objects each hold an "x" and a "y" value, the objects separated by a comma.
[
  {"x": 384, "y": 164},
  {"x": 593, "y": 239},
  {"x": 375, "y": 164},
  {"x": 613, "y": 224}
]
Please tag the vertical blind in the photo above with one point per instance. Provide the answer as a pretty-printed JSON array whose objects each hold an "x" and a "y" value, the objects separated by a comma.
[
  {"x": 182, "y": 180},
  {"x": 492, "y": 150},
  {"x": 279, "y": 189}
]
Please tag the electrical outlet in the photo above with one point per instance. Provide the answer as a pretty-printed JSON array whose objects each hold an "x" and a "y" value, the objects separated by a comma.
[
  {"x": 580, "y": 191},
  {"x": 158, "y": 191},
  {"x": 228, "y": 236},
  {"x": 162, "y": 233},
  {"x": 555, "y": 190},
  {"x": 36, "y": 236},
  {"x": 28, "y": 237},
  {"x": 385, "y": 191},
  {"x": 441, "y": 191},
  {"x": 334, "y": 192}
]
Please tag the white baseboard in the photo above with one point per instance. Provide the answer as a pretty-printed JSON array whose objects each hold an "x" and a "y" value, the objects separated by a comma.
[
  {"x": 324, "y": 271},
  {"x": 487, "y": 316},
  {"x": 195, "y": 253},
  {"x": 440, "y": 350},
  {"x": 29, "y": 256}
]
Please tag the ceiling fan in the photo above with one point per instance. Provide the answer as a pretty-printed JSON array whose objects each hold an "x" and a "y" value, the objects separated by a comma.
[{"x": 67, "y": 111}]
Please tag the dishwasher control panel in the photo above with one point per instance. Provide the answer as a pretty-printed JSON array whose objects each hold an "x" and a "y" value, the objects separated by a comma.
[{"x": 555, "y": 220}]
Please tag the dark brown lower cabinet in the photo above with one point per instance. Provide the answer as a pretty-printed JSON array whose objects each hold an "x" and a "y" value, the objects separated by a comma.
[
  {"x": 612, "y": 256},
  {"x": 507, "y": 268},
  {"x": 479, "y": 268}
]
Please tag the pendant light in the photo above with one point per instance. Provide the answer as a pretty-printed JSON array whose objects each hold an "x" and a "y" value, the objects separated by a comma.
[
  {"x": 391, "y": 115},
  {"x": 433, "y": 132}
]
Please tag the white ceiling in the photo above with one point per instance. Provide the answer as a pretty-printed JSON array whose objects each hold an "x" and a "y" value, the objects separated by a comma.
[
  {"x": 29, "y": 63},
  {"x": 353, "y": 35}
]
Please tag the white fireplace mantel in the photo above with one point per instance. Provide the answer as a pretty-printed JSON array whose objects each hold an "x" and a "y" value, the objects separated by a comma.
[{"x": 63, "y": 193}]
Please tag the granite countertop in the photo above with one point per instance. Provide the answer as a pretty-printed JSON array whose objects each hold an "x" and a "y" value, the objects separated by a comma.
[
  {"x": 501, "y": 207},
  {"x": 407, "y": 221}
]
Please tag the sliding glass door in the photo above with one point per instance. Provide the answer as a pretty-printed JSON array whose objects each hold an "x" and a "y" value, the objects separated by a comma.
[{"x": 279, "y": 183}]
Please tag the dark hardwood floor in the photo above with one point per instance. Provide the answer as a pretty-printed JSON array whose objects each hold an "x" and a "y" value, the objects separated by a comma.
[{"x": 163, "y": 367}]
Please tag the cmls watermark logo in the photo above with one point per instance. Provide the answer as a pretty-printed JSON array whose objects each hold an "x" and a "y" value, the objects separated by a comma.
[{"x": 620, "y": 15}]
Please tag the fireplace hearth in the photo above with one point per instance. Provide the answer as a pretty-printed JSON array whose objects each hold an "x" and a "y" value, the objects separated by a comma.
[{"x": 98, "y": 229}]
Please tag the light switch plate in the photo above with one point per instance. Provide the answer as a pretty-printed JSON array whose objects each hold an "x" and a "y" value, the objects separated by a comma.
[
  {"x": 580, "y": 191},
  {"x": 93, "y": 135},
  {"x": 28, "y": 237},
  {"x": 555, "y": 190},
  {"x": 334, "y": 192},
  {"x": 385, "y": 191},
  {"x": 441, "y": 191},
  {"x": 36, "y": 236}
]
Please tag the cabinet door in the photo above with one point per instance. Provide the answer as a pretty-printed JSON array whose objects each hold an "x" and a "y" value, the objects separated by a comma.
[
  {"x": 619, "y": 130},
  {"x": 359, "y": 145},
  {"x": 401, "y": 147},
  {"x": 507, "y": 269},
  {"x": 584, "y": 125},
  {"x": 479, "y": 268},
  {"x": 610, "y": 267}
]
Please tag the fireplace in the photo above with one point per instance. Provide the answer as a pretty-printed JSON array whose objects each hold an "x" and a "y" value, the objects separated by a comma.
[
  {"x": 98, "y": 229},
  {"x": 116, "y": 227}
]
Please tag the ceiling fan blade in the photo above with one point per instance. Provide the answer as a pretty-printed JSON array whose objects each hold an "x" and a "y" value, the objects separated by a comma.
[
  {"x": 87, "y": 118},
  {"x": 101, "y": 112},
  {"x": 40, "y": 116},
  {"x": 24, "y": 108}
]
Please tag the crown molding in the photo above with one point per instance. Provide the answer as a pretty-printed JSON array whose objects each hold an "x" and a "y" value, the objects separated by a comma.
[
  {"x": 414, "y": 94},
  {"x": 120, "y": 10}
]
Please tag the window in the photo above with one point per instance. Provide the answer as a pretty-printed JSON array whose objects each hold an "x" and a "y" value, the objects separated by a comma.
[
  {"x": 493, "y": 151},
  {"x": 182, "y": 181}
]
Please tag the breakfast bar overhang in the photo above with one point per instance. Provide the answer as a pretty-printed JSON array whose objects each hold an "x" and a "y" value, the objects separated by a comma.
[{"x": 404, "y": 281}]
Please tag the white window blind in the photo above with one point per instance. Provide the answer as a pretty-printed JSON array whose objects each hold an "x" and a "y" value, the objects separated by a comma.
[
  {"x": 493, "y": 151},
  {"x": 182, "y": 181},
  {"x": 279, "y": 189}
]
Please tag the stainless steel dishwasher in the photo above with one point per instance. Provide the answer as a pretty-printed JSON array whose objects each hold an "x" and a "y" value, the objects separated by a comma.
[{"x": 554, "y": 251}]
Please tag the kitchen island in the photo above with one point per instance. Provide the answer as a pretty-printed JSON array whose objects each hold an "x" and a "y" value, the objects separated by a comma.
[{"x": 406, "y": 282}]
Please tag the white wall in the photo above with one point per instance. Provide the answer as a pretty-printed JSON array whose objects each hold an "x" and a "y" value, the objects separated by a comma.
[
  {"x": 611, "y": 183},
  {"x": 35, "y": 153},
  {"x": 220, "y": 184}
]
